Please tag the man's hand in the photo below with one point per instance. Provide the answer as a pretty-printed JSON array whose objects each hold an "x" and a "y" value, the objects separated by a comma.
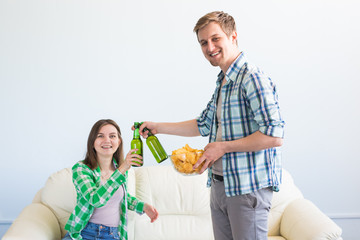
[
  {"x": 149, "y": 125},
  {"x": 212, "y": 152}
]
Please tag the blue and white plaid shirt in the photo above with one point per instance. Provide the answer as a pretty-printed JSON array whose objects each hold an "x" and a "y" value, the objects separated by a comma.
[{"x": 249, "y": 104}]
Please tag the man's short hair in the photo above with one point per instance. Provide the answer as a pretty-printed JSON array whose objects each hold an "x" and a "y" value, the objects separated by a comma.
[{"x": 226, "y": 22}]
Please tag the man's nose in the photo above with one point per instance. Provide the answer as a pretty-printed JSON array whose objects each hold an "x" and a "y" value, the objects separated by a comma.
[{"x": 211, "y": 46}]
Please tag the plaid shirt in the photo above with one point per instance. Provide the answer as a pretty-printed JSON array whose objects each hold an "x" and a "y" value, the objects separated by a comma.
[
  {"x": 91, "y": 194},
  {"x": 249, "y": 104}
]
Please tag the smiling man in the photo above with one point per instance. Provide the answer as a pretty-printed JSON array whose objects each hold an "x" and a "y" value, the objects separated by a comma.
[{"x": 245, "y": 131}]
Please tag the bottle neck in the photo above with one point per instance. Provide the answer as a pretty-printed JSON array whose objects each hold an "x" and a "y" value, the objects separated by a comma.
[
  {"x": 149, "y": 132},
  {"x": 136, "y": 133}
]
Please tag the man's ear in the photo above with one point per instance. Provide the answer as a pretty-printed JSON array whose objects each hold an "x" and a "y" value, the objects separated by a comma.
[{"x": 234, "y": 37}]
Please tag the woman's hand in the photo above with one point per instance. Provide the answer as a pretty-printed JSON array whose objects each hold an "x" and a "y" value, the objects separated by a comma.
[
  {"x": 151, "y": 212},
  {"x": 131, "y": 159}
]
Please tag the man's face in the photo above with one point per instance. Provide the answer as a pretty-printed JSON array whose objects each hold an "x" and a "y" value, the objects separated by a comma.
[{"x": 217, "y": 47}]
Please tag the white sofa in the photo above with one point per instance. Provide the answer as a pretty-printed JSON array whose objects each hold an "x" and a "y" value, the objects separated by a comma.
[{"x": 183, "y": 206}]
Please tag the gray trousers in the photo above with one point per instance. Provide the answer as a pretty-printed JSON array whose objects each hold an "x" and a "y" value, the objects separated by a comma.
[{"x": 243, "y": 217}]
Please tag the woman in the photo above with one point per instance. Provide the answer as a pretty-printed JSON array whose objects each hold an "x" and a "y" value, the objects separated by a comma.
[{"x": 100, "y": 183}]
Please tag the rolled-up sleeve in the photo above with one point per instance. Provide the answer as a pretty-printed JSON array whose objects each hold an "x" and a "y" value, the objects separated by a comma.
[
  {"x": 135, "y": 205},
  {"x": 264, "y": 104}
]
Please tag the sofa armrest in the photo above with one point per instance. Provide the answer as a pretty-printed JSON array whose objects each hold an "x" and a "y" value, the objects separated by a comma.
[
  {"x": 302, "y": 220},
  {"x": 36, "y": 222}
]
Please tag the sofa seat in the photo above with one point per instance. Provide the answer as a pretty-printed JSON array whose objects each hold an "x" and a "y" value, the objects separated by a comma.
[{"x": 183, "y": 203}]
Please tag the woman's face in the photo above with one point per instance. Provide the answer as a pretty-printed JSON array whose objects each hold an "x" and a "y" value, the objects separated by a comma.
[{"x": 107, "y": 141}]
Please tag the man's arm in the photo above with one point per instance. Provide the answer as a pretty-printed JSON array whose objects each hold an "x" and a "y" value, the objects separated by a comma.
[
  {"x": 186, "y": 128},
  {"x": 252, "y": 143}
]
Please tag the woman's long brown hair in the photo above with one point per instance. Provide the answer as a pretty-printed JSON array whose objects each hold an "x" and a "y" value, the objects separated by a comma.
[{"x": 91, "y": 157}]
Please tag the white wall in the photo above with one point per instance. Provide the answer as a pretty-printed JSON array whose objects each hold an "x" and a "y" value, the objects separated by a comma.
[{"x": 66, "y": 64}]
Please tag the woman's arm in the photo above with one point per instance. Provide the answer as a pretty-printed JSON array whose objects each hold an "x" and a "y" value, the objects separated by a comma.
[{"x": 140, "y": 207}]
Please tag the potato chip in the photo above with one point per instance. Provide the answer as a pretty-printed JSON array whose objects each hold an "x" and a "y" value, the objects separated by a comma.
[
  {"x": 184, "y": 159},
  {"x": 188, "y": 168},
  {"x": 191, "y": 157}
]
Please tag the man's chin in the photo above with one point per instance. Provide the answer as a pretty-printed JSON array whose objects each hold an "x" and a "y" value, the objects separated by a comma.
[{"x": 213, "y": 63}]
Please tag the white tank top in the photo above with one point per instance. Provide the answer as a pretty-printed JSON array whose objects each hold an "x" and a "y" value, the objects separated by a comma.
[{"x": 109, "y": 215}]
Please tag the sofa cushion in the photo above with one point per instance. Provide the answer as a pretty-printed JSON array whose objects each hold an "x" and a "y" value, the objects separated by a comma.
[
  {"x": 183, "y": 203},
  {"x": 288, "y": 193},
  {"x": 35, "y": 222},
  {"x": 303, "y": 220},
  {"x": 60, "y": 196},
  {"x": 172, "y": 192}
]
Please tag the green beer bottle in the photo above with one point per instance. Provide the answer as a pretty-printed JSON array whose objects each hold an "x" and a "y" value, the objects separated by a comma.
[
  {"x": 136, "y": 142},
  {"x": 155, "y": 147}
]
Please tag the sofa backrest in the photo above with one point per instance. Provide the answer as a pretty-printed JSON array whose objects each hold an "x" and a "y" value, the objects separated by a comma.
[{"x": 183, "y": 203}]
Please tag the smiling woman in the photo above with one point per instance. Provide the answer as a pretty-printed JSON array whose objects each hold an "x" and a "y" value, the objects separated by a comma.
[
  {"x": 100, "y": 183},
  {"x": 103, "y": 135}
]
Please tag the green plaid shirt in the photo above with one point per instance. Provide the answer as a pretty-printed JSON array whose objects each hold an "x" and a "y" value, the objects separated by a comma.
[{"x": 91, "y": 194}]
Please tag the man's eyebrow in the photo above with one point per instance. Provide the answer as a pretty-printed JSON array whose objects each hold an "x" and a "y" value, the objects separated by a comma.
[{"x": 214, "y": 35}]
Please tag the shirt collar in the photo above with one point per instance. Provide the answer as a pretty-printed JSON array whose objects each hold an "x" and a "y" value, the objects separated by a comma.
[{"x": 233, "y": 70}]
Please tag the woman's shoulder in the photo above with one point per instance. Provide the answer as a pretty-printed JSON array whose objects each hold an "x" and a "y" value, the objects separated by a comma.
[
  {"x": 81, "y": 166},
  {"x": 80, "y": 170}
]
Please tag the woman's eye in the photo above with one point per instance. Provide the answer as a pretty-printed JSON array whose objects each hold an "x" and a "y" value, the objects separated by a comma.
[{"x": 113, "y": 136}]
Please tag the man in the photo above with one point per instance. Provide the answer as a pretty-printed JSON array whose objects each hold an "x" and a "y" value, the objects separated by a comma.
[{"x": 245, "y": 128}]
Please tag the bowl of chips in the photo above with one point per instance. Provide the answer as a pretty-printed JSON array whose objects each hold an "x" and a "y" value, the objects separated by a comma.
[{"x": 184, "y": 159}]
